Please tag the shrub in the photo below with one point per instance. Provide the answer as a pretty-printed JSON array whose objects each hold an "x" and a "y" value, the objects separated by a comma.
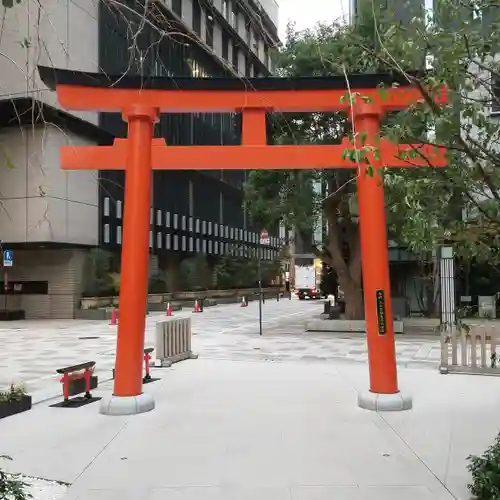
[
  {"x": 11, "y": 486},
  {"x": 195, "y": 273},
  {"x": 14, "y": 393},
  {"x": 485, "y": 470},
  {"x": 99, "y": 269}
]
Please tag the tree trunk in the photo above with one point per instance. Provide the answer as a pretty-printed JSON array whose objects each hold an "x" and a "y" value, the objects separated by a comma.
[
  {"x": 353, "y": 296},
  {"x": 348, "y": 273}
]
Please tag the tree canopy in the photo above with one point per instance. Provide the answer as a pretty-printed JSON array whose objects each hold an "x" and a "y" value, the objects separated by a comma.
[
  {"x": 459, "y": 44},
  {"x": 456, "y": 45}
]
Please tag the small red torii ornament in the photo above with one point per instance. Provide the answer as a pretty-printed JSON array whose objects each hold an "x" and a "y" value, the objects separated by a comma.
[{"x": 142, "y": 100}]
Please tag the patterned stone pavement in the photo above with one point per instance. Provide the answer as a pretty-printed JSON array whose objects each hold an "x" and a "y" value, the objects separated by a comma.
[
  {"x": 33, "y": 350},
  {"x": 416, "y": 353}
]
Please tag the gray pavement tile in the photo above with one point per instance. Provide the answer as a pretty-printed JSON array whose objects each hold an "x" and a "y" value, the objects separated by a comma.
[
  {"x": 367, "y": 493},
  {"x": 326, "y": 493},
  {"x": 221, "y": 493},
  {"x": 225, "y": 332}
]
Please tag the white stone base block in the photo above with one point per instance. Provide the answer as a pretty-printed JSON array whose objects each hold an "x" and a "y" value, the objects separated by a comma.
[
  {"x": 384, "y": 402},
  {"x": 128, "y": 405}
]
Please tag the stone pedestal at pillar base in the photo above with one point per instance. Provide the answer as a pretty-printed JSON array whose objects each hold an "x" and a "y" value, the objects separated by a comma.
[
  {"x": 128, "y": 405},
  {"x": 384, "y": 402}
]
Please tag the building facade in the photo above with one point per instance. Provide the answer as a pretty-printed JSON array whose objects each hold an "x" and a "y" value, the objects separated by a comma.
[
  {"x": 51, "y": 218},
  {"x": 402, "y": 11}
]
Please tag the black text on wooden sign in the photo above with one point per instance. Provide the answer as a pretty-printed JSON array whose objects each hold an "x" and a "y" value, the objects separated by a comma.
[{"x": 381, "y": 317}]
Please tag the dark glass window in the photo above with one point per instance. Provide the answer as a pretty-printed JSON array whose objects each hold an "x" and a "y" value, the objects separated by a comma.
[
  {"x": 248, "y": 32},
  {"x": 248, "y": 67},
  {"x": 235, "y": 57},
  {"x": 256, "y": 44},
  {"x": 234, "y": 17},
  {"x": 196, "y": 17},
  {"x": 177, "y": 7},
  {"x": 209, "y": 30},
  {"x": 225, "y": 46},
  {"x": 24, "y": 288}
]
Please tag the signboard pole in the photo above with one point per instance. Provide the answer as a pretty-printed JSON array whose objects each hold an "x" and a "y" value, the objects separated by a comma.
[
  {"x": 259, "y": 277},
  {"x": 6, "y": 288},
  {"x": 264, "y": 240}
]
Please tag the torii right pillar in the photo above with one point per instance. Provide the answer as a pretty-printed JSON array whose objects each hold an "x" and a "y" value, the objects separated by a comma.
[{"x": 384, "y": 394}]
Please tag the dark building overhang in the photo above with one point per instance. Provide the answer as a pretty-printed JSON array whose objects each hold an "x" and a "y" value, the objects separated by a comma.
[
  {"x": 24, "y": 111},
  {"x": 54, "y": 76}
]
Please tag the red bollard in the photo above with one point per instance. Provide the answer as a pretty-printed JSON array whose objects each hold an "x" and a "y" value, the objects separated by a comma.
[
  {"x": 169, "y": 309},
  {"x": 147, "y": 358},
  {"x": 114, "y": 317},
  {"x": 196, "y": 307}
]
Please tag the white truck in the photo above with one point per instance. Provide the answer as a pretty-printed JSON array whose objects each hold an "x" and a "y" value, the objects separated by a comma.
[{"x": 307, "y": 281}]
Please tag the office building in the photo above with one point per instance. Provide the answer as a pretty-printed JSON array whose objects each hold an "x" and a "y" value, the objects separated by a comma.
[{"x": 51, "y": 218}]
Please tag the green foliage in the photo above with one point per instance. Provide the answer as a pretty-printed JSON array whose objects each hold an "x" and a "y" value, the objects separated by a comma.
[
  {"x": 425, "y": 205},
  {"x": 7, "y": 160},
  {"x": 459, "y": 44},
  {"x": 115, "y": 280},
  {"x": 195, "y": 273},
  {"x": 158, "y": 283},
  {"x": 7, "y": 4},
  {"x": 235, "y": 272},
  {"x": 243, "y": 272},
  {"x": 286, "y": 196},
  {"x": 328, "y": 283},
  {"x": 13, "y": 393},
  {"x": 485, "y": 471},
  {"x": 11, "y": 486},
  {"x": 100, "y": 278}
]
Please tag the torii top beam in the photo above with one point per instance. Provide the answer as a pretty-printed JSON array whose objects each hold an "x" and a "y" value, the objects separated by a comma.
[
  {"x": 96, "y": 91},
  {"x": 253, "y": 97}
]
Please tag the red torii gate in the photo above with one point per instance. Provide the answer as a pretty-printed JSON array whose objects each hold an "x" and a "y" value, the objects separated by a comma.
[{"x": 141, "y": 100}]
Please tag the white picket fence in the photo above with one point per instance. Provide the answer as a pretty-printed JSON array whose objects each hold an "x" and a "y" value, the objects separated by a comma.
[
  {"x": 173, "y": 341},
  {"x": 470, "y": 349}
]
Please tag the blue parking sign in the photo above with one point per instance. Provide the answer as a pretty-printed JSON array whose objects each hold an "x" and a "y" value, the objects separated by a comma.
[{"x": 8, "y": 258}]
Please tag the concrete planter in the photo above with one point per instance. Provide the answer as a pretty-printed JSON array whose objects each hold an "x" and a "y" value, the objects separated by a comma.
[
  {"x": 11, "y": 315},
  {"x": 8, "y": 408},
  {"x": 158, "y": 301},
  {"x": 156, "y": 298},
  {"x": 158, "y": 307},
  {"x": 94, "y": 314},
  {"x": 106, "y": 312},
  {"x": 96, "y": 302},
  {"x": 344, "y": 326}
]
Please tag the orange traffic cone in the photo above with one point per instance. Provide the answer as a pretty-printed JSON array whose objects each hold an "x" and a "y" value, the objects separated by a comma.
[
  {"x": 196, "y": 306},
  {"x": 169, "y": 309},
  {"x": 244, "y": 302},
  {"x": 114, "y": 317}
]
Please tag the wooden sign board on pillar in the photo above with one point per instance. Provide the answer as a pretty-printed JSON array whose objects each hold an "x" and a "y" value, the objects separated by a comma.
[{"x": 140, "y": 101}]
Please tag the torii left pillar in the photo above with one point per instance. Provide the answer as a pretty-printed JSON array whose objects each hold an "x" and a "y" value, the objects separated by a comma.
[{"x": 127, "y": 397}]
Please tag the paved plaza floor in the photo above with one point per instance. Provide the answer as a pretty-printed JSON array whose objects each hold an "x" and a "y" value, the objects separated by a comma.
[
  {"x": 264, "y": 418},
  {"x": 33, "y": 350}
]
